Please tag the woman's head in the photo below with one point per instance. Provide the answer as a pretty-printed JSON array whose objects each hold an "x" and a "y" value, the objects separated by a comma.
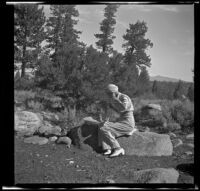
[{"x": 111, "y": 90}]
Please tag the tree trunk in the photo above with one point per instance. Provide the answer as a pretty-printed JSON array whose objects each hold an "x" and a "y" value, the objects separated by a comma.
[
  {"x": 23, "y": 67},
  {"x": 71, "y": 112}
]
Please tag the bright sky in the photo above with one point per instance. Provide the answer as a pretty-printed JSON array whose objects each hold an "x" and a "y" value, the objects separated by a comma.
[{"x": 170, "y": 28}]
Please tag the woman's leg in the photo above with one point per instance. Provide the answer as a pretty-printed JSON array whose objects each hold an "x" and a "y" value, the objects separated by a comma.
[
  {"x": 107, "y": 139},
  {"x": 108, "y": 134}
]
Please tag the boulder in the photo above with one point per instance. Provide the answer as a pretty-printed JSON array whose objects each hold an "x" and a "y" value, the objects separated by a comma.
[
  {"x": 47, "y": 129},
  {"x": 36, "y": 140},
  {"x": 147, "y": 144},
  {"x": 156, "y": 175},
  {"x": 64, "y": 140},
  {"x": 140, "y": 143},
  {"x": 26, "y": 122},
  {"x": 50, "y": 116}
]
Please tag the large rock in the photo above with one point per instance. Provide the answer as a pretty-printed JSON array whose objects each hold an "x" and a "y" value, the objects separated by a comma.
[
  {"x": 147, "y": 143},
  {"x": 140, "y": 143},
  {"x": 50, "y": 116},
  {"x": 156, "y": 175},
  {"x": 26, "y": 122},
  {"x": 47, "y": 129},
  {"x": 36, "y": 140}
]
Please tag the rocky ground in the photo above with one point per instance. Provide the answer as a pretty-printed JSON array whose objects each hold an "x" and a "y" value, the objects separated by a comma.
[
  {"x": 56, "y": 163},
  {"x": 44, "y": 154}
]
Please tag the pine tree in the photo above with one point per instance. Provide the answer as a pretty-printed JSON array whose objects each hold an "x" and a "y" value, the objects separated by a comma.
[
  {"x": 60, "y": 28},
  {"x": 190, "y": 93},
  {"x": 135, "y": 55},
  {"x": 179, "y": 90},
  {"x": 28, "y": 33},
  {"x": 155, "y": 87},
  {"x": 143, "y": 82},
  {"x": 66, "y": 54},
  {"x": 107, "y": 28},
  {"x": 115, "y": 63},
  {"x": 95, "y": 73}
]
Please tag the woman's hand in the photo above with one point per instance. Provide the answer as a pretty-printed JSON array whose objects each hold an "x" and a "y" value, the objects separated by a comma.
[{"x": 104, "y": 122}]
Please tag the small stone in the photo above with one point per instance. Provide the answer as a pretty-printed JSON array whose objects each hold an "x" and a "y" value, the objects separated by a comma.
[
  {"x": 172, "y": 135},
  {"x": 46, "y": 155},
  {"x": 188, "y": 153},
  {"x": 64, "y": 140},
  {"x": 37, "y": 155},
  {"x": 154, "y": 106},
  {"x": 77, "y": 166},
  {"x": 53, "y": 139},
  {"x": 71, "y": 162},
  {"x": 110, "y": 181},
  {"x": 190, "y": 145},
  {"x": 190, "y": 136}
]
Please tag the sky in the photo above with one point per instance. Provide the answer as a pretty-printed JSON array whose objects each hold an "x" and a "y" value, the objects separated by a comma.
[{"x": 170, "y": 29}]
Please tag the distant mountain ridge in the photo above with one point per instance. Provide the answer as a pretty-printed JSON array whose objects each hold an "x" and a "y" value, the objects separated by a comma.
[{"x": 164, "y": 78}]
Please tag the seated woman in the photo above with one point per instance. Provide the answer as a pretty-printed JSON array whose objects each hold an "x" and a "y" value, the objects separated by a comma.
[{"x": 125, "y": 125}]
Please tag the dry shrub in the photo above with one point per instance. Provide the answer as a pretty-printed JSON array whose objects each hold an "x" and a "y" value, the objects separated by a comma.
[{"x": 22, "y": 95}]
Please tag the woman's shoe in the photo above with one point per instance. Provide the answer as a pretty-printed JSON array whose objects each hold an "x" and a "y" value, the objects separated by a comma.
[
  {"x": 107, "y": 152},
  {"x": 118, "y": 152}
]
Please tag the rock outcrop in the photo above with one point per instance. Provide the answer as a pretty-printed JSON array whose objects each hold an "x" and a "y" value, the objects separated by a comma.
[
  {"x": 156, "y": 175},
  {"x": 140, "y": 143},
  {"x": 27, "y": 123},
  {"x": 36, "y": 140},
  {"x": 47, "y": 129}
]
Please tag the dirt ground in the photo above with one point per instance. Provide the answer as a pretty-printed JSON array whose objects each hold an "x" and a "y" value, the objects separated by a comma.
[{"x": 55, "y": 163}]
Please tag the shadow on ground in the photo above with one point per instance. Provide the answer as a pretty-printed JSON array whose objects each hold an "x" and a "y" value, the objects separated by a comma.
[{"x": 186, "y": 168}]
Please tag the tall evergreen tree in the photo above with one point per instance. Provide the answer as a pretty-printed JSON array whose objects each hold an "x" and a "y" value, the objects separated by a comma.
[
  {"x": 28, "y": 33},
  {"x": 60, "y": 28},
  {"x": 155, "y": 87},
  {"x": 179, "y": 90},
  {"x": 143, "y": 82},
  {"x": 107, "y": 28},
  {"x": 135, "y": 55},
  {"x": 95, "y": 73},
  {"x": 115, "y": 63},
  {"x": 190, "y": 93},
  {"x": 66, "y": 53}
]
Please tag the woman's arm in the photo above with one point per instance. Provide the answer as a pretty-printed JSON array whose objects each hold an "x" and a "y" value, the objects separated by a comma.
[{"x": 123, "y": 103}]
